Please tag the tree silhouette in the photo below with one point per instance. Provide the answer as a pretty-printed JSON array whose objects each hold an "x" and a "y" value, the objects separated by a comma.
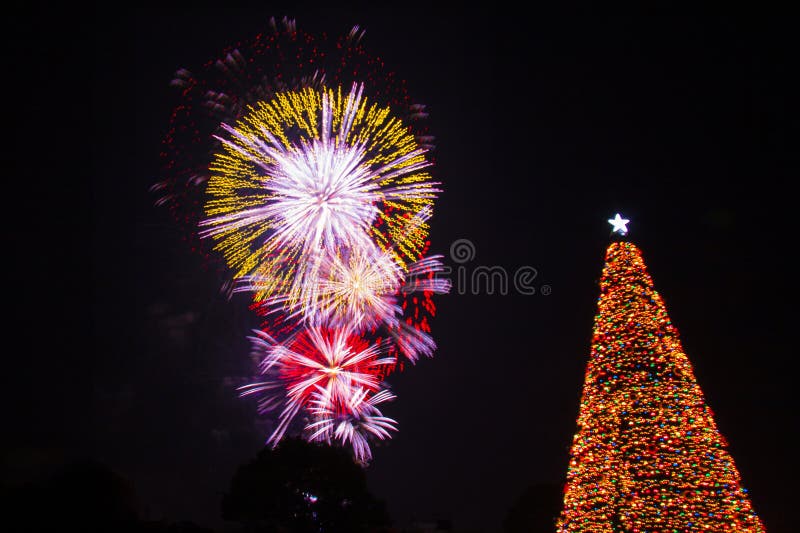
[
  {"x": 302, "y": 487},
  {"x": 536, "y": 510},
  {"x": 85, "y": 495}
]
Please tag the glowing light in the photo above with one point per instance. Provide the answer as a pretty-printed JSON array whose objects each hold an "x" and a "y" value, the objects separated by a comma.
[
  {"x": 307, "y": 175},
  {"x": 351, "y": 419},
  {"x": 620, "y": 225},
  {"x": 323, "y": 363},
  {"x": 647, "y": 455},
  {"x": 358, "y": 288},
  {"x": 298, "y": 163}
]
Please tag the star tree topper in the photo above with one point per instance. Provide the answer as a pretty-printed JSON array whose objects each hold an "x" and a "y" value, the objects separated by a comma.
[{"x": 620, "y": 224}]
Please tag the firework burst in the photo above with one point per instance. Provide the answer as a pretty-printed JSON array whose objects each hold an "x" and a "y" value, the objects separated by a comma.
[
  {"x": 352, "y": 422},
  {"x": 298, "y": 162},
  {"x": 328, "y": 363},
  {"x": 359, "y": 287},
  {"x": 308, "y": 174}
]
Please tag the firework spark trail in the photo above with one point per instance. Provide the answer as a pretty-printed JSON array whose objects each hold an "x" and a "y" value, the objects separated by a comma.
[
  {"x": 358, "y": 287},
  {"x": 318, "y": 202},
  {"x": 352, "y": 423},
  {"x": 334, "y": 362},
  {"x": 320, "y": 193}
]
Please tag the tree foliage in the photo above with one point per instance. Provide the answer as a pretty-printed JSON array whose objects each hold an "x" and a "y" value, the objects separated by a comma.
[{"x": 299, "y": 487}]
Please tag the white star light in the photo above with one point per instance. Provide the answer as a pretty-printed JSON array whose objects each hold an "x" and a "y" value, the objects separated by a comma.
[{"x": 619, "y": 224}]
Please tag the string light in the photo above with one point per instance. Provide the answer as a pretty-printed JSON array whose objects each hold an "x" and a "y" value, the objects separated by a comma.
[{"x": 647, "y": 456}]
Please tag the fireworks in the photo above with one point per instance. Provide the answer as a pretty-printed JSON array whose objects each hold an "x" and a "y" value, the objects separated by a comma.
[
  {"x": 278, "y": 205},
  {"x": 317, "y": 196},
  {"x": 352, "y": 421}
]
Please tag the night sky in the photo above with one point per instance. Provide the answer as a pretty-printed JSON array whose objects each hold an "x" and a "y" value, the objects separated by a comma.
[{"x": 126, "y": 353}]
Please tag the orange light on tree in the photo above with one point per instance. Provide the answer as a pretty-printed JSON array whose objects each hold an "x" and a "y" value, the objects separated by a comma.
[{"x": 647, "y": 455}]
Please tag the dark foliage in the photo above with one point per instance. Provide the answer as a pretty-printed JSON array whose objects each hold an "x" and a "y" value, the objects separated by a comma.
[
  {"x": 300, "y": 487},
  {"x": 535, "y": 510},
  {"x": 61, "y": 497}
]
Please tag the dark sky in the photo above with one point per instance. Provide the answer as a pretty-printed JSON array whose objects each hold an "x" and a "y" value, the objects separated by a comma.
[{"x": 545, "y": 128}]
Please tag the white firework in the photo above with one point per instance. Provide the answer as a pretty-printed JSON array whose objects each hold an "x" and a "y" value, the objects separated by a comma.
[
  {"x": 358, "y": 287},
  {"x": 350, "y": 420},
  {"x": 319, "y": 194}
]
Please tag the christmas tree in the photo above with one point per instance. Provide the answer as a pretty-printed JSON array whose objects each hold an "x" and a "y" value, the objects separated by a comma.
[{"x": 647, "y": 455}]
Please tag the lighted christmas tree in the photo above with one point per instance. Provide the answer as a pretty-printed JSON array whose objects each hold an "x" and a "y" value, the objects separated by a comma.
[{"x": 647, "y": 455}]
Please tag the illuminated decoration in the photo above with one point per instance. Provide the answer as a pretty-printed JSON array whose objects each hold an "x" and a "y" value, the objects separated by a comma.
[
  {"x": 647, "y": 455},
  {"x": 297, "y": 165},
  {"x": 620, "y": 225}
]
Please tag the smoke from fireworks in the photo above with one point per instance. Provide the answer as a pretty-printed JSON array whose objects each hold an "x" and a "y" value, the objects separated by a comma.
[{"x": 316, "y": 195}]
